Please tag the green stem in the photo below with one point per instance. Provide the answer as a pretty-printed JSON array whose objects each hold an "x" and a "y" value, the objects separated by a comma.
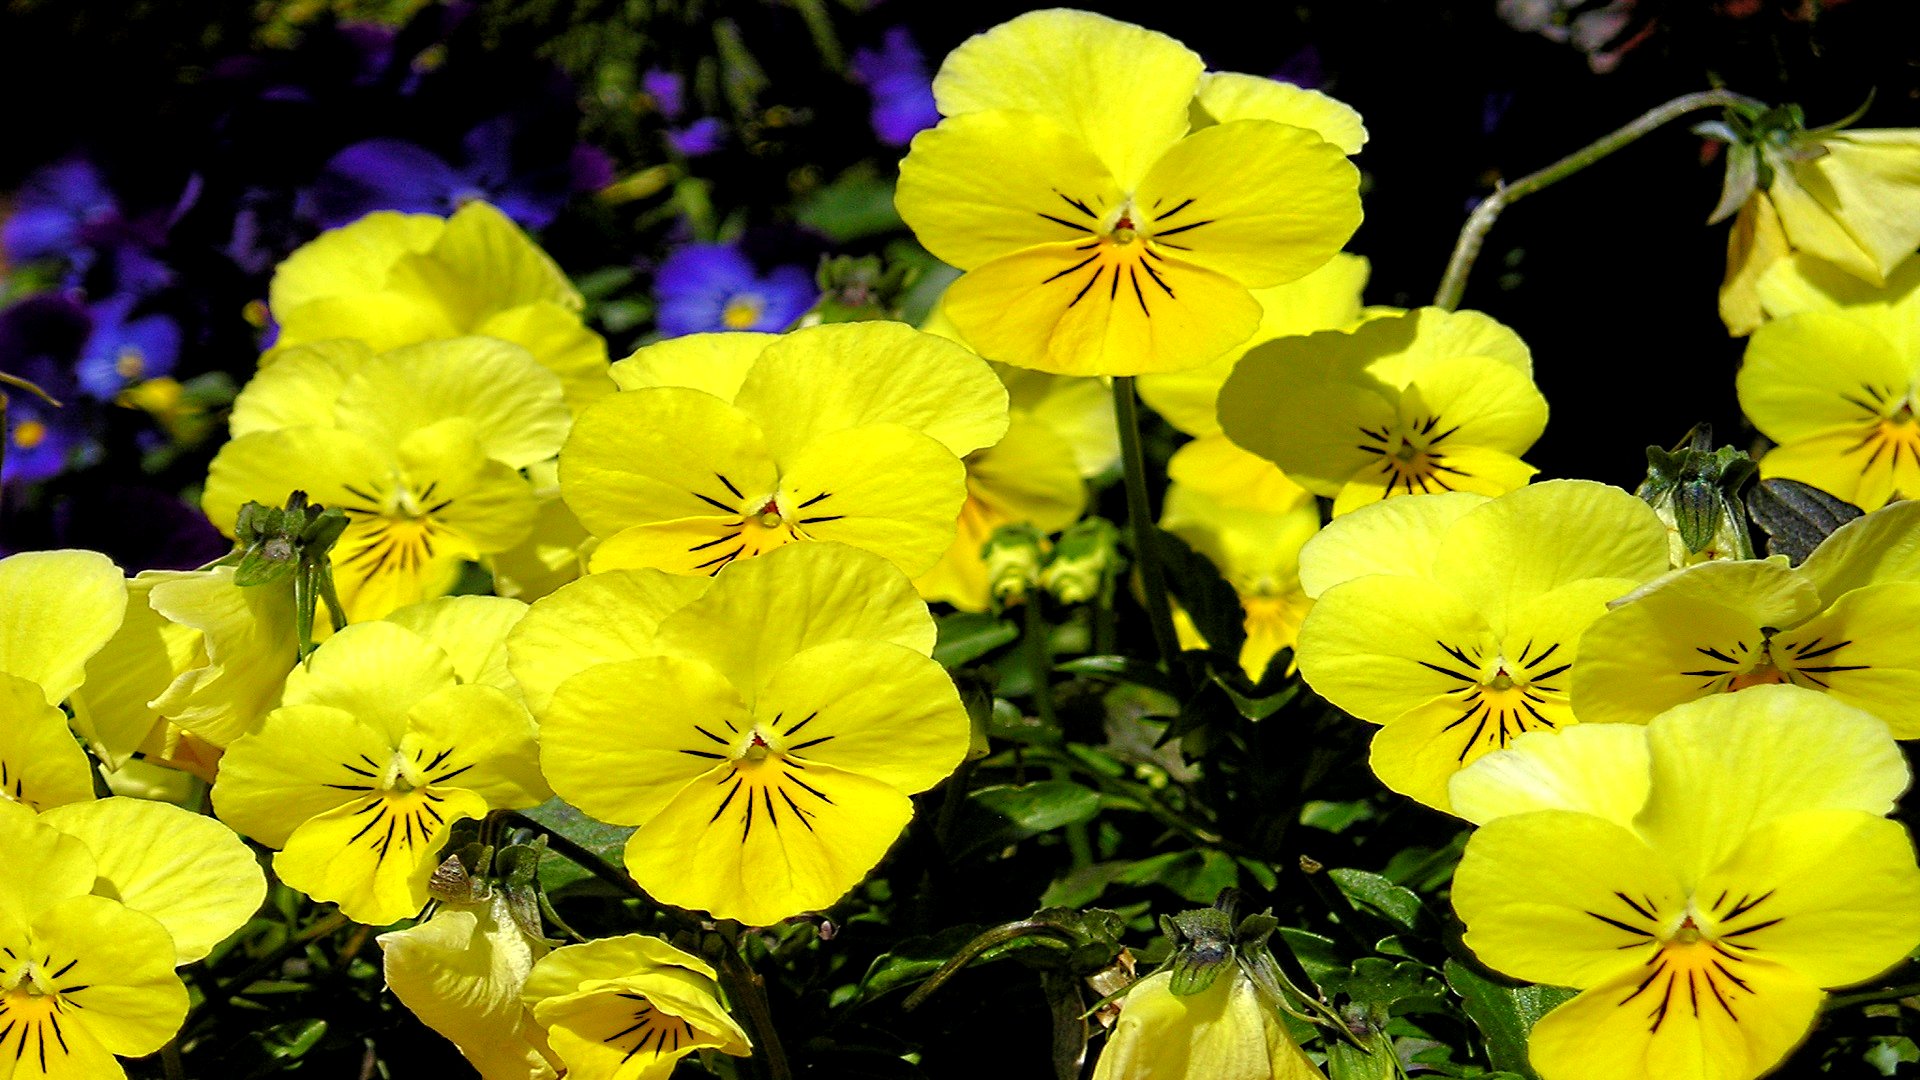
[
  {"x": 1871, "y": 997},
  {"x": 1153, "y": 580},
  {"x": 237, "y": 985},
  {"x": 1040, "y": 663},
  {"x": 170, "y": 1061},
  {"x": 746, "y": 988},
  {"x": 1474, "y": 233},
  {"x": 585, "y": 859}
]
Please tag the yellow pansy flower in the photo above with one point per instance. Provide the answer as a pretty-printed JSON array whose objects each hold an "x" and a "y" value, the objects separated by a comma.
[
  {"x": 462, "y": 972},
  {"x": 1101, "y": 230},
  {"x": 1841, "y": 623},
  {"x": 1834, "y": 380},
  {"x": 1224, "y": 1032},
  {"x": 419, "y": 445},
  {"x": 1700, "y": 880},
  {"x": 1258, "y": 552},
  {"x": 393, "y": 279},
  {"x": 1454, "y": 620},
  {"x": 629, "y": 1008},
  {"x": 60, "y": 608},
  {"x": 1854, "y": 202},
  {"x": 553, "y": 553},
  {"x": 1420, "y": 402},
  {"x": 391, "y": 732},
  {"x": 764, "y": 734},
  {"x": 850, "y": 432}
]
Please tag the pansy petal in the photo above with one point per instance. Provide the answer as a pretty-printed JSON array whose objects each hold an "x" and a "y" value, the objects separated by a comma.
[
  {"x": 1419, "y": 752},
  {"x": 40, "y": 763},
  {"x": 873, "y": 708},
  {"x": 296, "y": 386},
  {"x": 478, "y": 739},
  {"x": 186, "y": 870},
  {"x": 250, "y": 641},
  {"x": 1598, "y": 769},
  {"x": 480, "y": 263},
  {"x": 515, "y": 404},
  {"x": 1803, "y": 375},
  {"x": 1881, "y": 546},
  {"x": 716, "y": 363},
  {"x": 144, "y": 656},
  {"x": 350, "y": 259},
  {"x": 1848, "y": 464},
  {"x": 660, "y": 455},
  {"x": 1727, "y": 764},
  {"x": 1214, "y": 466},
  {"x": 1475, "y": 469},
  {"x": 267, "y": 466},
  {"x": 1122, "y": 89},
  {"x": 555, "y": 336},
  {"x": 471, "y": 630},
  {"x": 267, "y": 786},
  {"x": 1302, "y": 402},
  {"x": 823, "y": 380},
  {"x": 764, "y": 842},
  {"x": 621, "y": 1035},
  {"x": 461, "y": 973},
  {"x": 63, "y": 866},
  {"x": 61, "y": 608},
  {"x": 1377, "y": 646},
  {"x": 122, "y": 961},
  {"x": 1260, "y": 202},
  {"x": 1755, "y": 245},
  {"x": 1225, "y": 96},
  {"x": 375, "y": 671},
  {"x": 1561, "y": 897},
  {"x": 884, "y": 488},
  {"x": 373, "y": 856},
  {"x": 1398, "y": 536},
  {"x": 600, "y": 619},
  {"x": 693, "y": 547},
  {"x": 1492, "y": 403},
  {"x": 1860, "y": 651}
]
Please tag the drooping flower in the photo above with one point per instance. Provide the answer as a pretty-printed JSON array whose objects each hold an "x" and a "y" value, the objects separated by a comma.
[
  {"x": 123, "y": 349},
  {"x": 394, "y": 279},
  {"x": 1841, "y": 623},
  {"x": 1834, "y": 380},
  {"x": 629, "y": 1008},
  {"x": 1701, "y": 880},
  {"x": 706, "y": 288},
  {"x": 463, "y": 973},
  {"x": 1454, "y": 620},
  {"x": 61, "y": 607},
  {"x": 419, "y": 445},
  {"x": 902, "y": 88},
  {"x": 1425, "y": 401},
  {"x": 764, "y": 734},
  {"x": 1224, "y": 1032},
  {"x": 1100, "y": 231},
  {"x": 1258, "y": 552},
  {"x": 721, "y": 447},
  {"x": 391, "y": 732}
]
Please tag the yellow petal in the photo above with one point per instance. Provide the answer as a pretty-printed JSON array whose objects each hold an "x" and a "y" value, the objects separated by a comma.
[
  {"x": 1420, "y": 752},
  {"x": 1804, "y": 283},
  {"x": 461, "y": 972},
  {"x": 1074, "y": 310},
  {"x": 1860, "y": 651},
  {"x": 297, "y": 386},
  {"x": 716, "y": 363},
  {"x": 61, "y": 866},
  {"x": 981, "y": 186},
  {"x": 764, "y": 842},
  {"x": 376, "y": 671},
  {"x": 877, "y": 709},
  {"x": 305, "y": 760},
  {"x": 553, "y": 333},
  {"x": 1598, "y": 769},
  {"x": 826, "y": 379},
  {"x": 1881, "y": 546},
  {"x": 1398, "y": 536},
  {"x": 550, "y": 556},
  {"x": 515, "y": 404},
  {"x": 482, "y": 263},
  {"x": 694, "y": 547},
  {"x": 1260, "y": 202},
  {"x": 622, "y": 1032},
  {"x": 597, "y": 620},
  {"x": 883, "y": 488},
  {"x": 1234, "y": 478},
  {"x": 1223, "y": 1032},
  {"x": 43, "y": 765},
  {"x": 184, "y": 869},
  {"x": 267, "y": 466},
  {"x": 660, "y": 455},
  {"x": 571, "y": 969},
  {"x": 1122, "y": 89},
  {"x": 129, "y": 1000},
  {"x": 1078, "y": 410},
  {"x": 1754, "y": 244},
  {"x": 1801, "y": 372},
  {"x": 1551, "y": 897},
  {"x": 478, "y": 739},
  {"x": 1258, "y": 551},
  {"x": 373, "y": 856},
  {"x": 1727, "y": 764},
  {"x": 144, "y": 656},
  {"x": 1611, "y": 1029},
  {"x": 1226, "y": 96},
  {"x": 1464, "y": 467},
  {"x": 1375, "y": 645},
  {"x": 1302, "y": 402},
  {"x": 62, "y": 607},
  {"x": 471, "y": 630},
  {"x": 250, "y": 643},
  {"x": 384, "y": 320},
  {"x": 1866, "y": 181},
  {"x": 350, "y": 259}
]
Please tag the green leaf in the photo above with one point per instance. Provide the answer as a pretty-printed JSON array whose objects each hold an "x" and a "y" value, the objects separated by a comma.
[
  {"x": 1121, "y": 668},
  {"x": 913, "y": 960},
  {"x": 1346, "y": 1062},
  {"x": 1209, "y": 600},
  {"x": 1372, "y": 892},
  {"x": 1387, "y": 988},
  {"x": 856, "y": 205},
  {"x": 1317, "y": 955},
  {"x": 968, "y": 636},
  {"x": 609, "y": 842},
  {"x": 1504, "y": 1013},
  {"x": 1255, "y": 708},
  {"x": 1004, "y": 814}
]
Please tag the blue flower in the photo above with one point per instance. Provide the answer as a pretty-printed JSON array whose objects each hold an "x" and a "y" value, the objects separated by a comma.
[
  {"x": 38, "y": 339},
  {"x": 902, "y": 88},
  {"x": 701, "y": 137},
  {"x": 667, "y": 90},
  {"x": 59, "y": 213},
  {"x": 122, "y": 349},
  {"x": 711, "y": 287},
  {"x": 40, "y": 439}
]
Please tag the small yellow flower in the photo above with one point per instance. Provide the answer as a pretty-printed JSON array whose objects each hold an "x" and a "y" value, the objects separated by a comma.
[
  {"x": 629, "y": 1008},
  {"x": 1224, "y": 1032},
  {"x": 1700, "y": 880},
  {"x": 1102, "y": 229},
  {"x": 1258, "y": 552},
  {"x": 463, "y": 972},
  {"x": 1454, "y": 620},
  {"x": 60, "y": 608}
]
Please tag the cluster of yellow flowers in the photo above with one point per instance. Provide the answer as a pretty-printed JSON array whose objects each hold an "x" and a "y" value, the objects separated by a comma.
[{"x": 713, "y": 562}]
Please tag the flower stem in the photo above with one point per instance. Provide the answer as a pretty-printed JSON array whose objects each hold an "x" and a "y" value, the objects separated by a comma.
[
  {"x": 1153, "y": 581},
  {"x": 1474, "y": 232},
  {"x": 1871, "y": 997},
  {"x": 746, "y": 988},
  {"x": 580, "y": 856}
]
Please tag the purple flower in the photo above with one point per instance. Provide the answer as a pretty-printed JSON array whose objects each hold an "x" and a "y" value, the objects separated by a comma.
[
  {"x": 39, "y": 438},
  {"x": 703, "y": 136},
  {"x": 901, "y": 86},
  {"x": 712, "y": 287},
  {"x": 123, "y": 349},
  {"x": 667, "y": 90},
  {"x": 59, "y": 212},
  {"x": 38, "y": 339}
]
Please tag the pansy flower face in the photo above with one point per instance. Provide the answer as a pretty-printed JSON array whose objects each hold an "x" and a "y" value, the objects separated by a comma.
[
  {"x": 1455, "y": 620},
  {"x": 764, "y": 735},
  {"x": 1424, "y": 402},
  {"x": 1701, "y": 880},
  {"x": 1100, "y": 231},
  {"x": 728, "y": 446},
  {"x": 629, "y": 1008},
  {"x": 1835, "y": 379},
  {"x": 1840, "y": 623},
  {"x": 708, "y": 288},
  {"x": 419, "y": 446},
  {"x": 61, "y": 607}
]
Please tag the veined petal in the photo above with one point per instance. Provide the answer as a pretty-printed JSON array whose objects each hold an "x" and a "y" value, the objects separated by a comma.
[
  {"x": 1095, "y": 308},
  {"x": 461, "y": 972},
  {"x": 478, "y": 739},
  {"x": 1861, "y": 652},
  {"x": 351, "y": 259},
  {"x": 1257, "y": 550},
  {"x": 376, "y": 671},
  {"x": 823, "y": 380},
  {"x": 1866, "y": 181},
  {"x": 660, "y": 455},
  {"x": 569, "y": 970},
  {"x": 1881, "y": 546},
  {"x": 1600, "y": 769},
  {"x": 1755, "y": 243},
  {"x": 1419, "y": 752},
  {"x": 1804, "y": 283},
  {"x": 1407, "y": 345},
  {"x": 1811, "y": 226},
  {"x": 1380, "y": 645},
  {"x": 269, "y": 783},
  {"x": 1626, "y": 1026},
  {"x": 1493, "y": 403},
  {"x": 267, "y": 466},
  {"x": 1122, "y": 89},
  {"x": 697, "y": 547},
  {"x": 484, "y": 502},
  {"x": 600, "y": 619},
  {"x": 516, "y": 405},
  {"x": 716, "y": 363},
  {"x": 1852, "y": 465},
  {"x": 555, "y": 336},
  {"x": 297, "y": 386},
  {"x": 1563, "y": 898},
  {"x": 1728, "y": 764},
  {"x": 761, "y": 842},
  {"x": 374, "y": 855},
  {"x": 471, "y": 630},
  {"x": 1226, "y": 96},
  {"x": 1398, "y": 536},
  {"x": 1813, "y": 373},
  {"x": 144, "y": 656},
  {"x": 1223, "y": 1032},
  {"x": 991, "y": 183},
  {"x": 1260, "y": 202},
  {"x": 250, "y": 643},
  {"x": 874, "y": 708},
  {"x": 62, "y": 607},
  {"x": 117, "y": 968},
  {"x": 384, "y": 320},
  {"x": 882, "y": 487},
  {"x": 619, "y": 1033},
  {"x": 40, "y": 763},
  {"x": 59, "y": 866},
  {"x": 1463, "y": 467},
  {"x": 482, "y": 263},
  {"x": 1306, "y": 404},
  {"x": 626, "y": 772},
  {"x": 765, "y": 610},
  {"x": 186, "y": 870}
]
